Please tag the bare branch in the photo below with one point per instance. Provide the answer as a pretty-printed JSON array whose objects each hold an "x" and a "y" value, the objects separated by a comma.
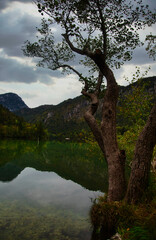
[{"x": 73, "y": 69}]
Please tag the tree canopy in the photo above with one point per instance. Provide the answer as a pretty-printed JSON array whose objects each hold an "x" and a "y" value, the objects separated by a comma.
[{"x": 89, "y": 28}]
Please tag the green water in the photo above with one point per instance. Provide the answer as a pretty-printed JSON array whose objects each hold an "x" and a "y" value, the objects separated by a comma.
[{"x": 46, "y": 190}]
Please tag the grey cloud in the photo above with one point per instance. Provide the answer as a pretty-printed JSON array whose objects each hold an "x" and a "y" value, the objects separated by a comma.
[
  {"x": 13, "y": 71},
  {"x": 44, "y": 75},
  {"x": 140, "y": 56},
  {"x": 15, "y": 31},
  {"x": 2, "y": 91},
  {"x": 5, "y": 3},
  {"x": 28, "y": 95},
  {"x": 151, "y": 3}
]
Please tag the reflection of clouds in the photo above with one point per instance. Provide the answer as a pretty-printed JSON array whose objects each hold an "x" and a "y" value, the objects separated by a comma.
[{"x": 47, "y": 188}]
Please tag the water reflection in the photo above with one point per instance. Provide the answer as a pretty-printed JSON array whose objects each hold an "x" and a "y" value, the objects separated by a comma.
[
  {"x": 47, "y": 188},
  {"x": 46, "y": 191},
  {"x": 9, "y": 171},
  {"x": 67, "y": 161}
]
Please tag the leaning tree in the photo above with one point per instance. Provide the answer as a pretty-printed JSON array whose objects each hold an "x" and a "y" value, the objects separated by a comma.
[{"x": 104, "y": 33}]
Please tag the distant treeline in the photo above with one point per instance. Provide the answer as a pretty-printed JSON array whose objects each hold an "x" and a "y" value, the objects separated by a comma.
[{"x": 12, "y": 126}]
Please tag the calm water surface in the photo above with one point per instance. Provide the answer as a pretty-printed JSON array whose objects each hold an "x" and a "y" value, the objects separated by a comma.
[{"x": 46, "y": 190}]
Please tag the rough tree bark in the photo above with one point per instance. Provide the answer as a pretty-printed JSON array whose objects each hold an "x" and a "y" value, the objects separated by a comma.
[
  {"x": 89, "y": 115},
  {"x": 106, "y": 136},
  {"x": 141, "y": 164},
  {"x": 115, "y": 157}
]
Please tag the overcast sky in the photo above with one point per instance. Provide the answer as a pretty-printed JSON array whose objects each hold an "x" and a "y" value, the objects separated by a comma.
[{"x": 38, "y": 86}]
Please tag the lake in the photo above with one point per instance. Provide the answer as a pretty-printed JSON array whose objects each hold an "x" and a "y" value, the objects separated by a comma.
[{"x": 47, "y": 189}]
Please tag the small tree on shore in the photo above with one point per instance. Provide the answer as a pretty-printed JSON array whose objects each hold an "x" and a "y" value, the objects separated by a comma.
[{"x": 104, "y": 33}]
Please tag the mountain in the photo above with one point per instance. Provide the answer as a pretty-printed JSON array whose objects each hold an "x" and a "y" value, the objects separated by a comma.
[
  {"x": 13, "y": 126},
  {"x": 12, "y": 102},
  {"x": 149, "y": 83},
  {"x": 66, "y": 119},
  {"x": 62, "y": 119}
]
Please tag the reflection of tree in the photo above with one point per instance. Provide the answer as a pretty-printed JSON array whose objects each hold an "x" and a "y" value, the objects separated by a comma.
[
  {"x": 11, "y": 150},
  {"x": 67, "y": 161},
  {"x": 9, "y": 171}
]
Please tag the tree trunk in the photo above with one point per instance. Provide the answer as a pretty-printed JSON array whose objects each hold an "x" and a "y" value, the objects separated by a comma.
[
  {"x": 115, "y": 157},
  {"x": 139, "y": 177},
  {"x": 106, "y": 136},
  {"x": 91, "y": 121},
  {"x": 89, "y": 115}
]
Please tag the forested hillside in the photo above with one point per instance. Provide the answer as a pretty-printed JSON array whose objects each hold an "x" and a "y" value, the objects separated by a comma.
[
  {"x": 12, "y": 126},
  {"x": 66, "y": 119}
]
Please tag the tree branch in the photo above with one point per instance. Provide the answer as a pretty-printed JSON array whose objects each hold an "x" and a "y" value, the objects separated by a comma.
[
  {"x": 73, "y": 69},
  {"x": 91, "y": 121},
  {"x": 103, "y": 29},
  {"x": 89, "y": 115},
  {"x": 99, "y": 82},
  {"x": 77, "y": 50}
]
